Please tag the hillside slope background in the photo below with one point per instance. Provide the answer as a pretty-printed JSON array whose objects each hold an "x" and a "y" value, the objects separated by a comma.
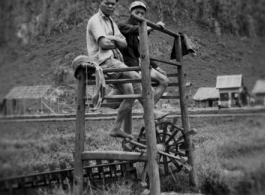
[{"x": 40, "y": 39}]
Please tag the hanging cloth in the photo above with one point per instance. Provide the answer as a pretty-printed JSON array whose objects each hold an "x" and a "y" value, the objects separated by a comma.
[{"x": 187, "y": 47}]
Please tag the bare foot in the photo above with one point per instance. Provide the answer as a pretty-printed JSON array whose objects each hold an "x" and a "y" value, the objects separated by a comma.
[{"x": 120, "y": 134}]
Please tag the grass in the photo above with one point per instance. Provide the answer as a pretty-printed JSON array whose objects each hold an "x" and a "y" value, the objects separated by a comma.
[
  {"x": 230, "y": 153},
  {"x": 120, "y": 188},
  {"x": 231, "y": 157}
]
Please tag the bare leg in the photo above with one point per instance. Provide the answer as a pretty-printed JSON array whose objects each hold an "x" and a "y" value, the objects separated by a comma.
[
  {"x": 156, "y": 76},
  {"x": 116, "y": 129},
  {"x": 162, "y": 84},
  {"x": 158, "y": 92},
  {"x": 124, "y": 109}
]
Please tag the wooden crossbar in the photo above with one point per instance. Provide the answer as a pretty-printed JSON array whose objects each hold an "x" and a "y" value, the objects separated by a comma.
[
  {"x": 170, "y": 63},
  {"x": 108, "y": 79},
  {"x": 134, "y": 96},
  {"x": 169, "y": 97},
  {"x": 130, "y": 96},
  {"x": 136, "y": 68},
  {"x": 172, "y": 75},
  {"x": 155, "y": 26},
  {"x": 91, "y": 70},
  {"x": 114, "y": 155},
  {"x": 115, "y": 81}
]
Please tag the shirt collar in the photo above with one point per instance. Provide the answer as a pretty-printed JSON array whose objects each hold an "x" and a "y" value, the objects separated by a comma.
[{"x": 104, "y": 16}]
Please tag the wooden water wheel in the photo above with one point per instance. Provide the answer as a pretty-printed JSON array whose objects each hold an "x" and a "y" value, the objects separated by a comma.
[{"x": 172, "y": 147}]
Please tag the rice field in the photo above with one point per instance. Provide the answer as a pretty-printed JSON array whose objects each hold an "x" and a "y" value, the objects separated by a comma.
[{"x": 229, "y": 155}]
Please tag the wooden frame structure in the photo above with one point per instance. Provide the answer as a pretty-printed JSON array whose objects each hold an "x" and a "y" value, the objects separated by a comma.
[{"x": 147, "y": 96}]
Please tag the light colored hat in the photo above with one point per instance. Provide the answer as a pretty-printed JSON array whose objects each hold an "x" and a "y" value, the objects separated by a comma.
[{"x": 137, "y": 4}]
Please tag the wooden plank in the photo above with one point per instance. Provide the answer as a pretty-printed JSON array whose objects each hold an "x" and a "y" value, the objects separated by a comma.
[
  {"x": 172, "y": 75},
  {"x": 108, "y": 105},
  {"x": 92, "y": 70},
  {"x": 114, "y": 155},
  {"x": 148, "y": 100},
  {"x": 114, "y": 81},
  {"x": 162, "y": 61},
  {"x": 79, "y": 134},
  {"x": 136, "y": 68},
  {"x": 184, "y": 112},
  {"x": 169, "y": 97},
  {"x": 129, "y": 96}
]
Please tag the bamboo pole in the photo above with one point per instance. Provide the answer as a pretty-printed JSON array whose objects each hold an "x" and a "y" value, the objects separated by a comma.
[
  {"x": 79, "y": 134},
  {"x": 184, "y": 112},
  {"x": 148, "y": 100}
]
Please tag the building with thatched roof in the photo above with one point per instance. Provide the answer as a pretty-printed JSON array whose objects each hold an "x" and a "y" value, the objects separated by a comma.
[
  {"x": 35, "y": 100},
  {"x": 259, "y": 92},
  {"x": 206, "y": 97},
  {"x": 22, "y": 99}
]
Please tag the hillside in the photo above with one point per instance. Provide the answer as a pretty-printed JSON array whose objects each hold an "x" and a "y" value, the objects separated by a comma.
[{"x": 46, "y": 57}]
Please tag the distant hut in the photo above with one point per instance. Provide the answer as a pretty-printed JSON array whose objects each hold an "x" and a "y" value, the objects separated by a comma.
[
  {"x": 26, "y": 100},
  {"x": 2, "y": 105},
  {"x": 206, "y": 97},
  {"x": 259, "y": 92},
  {"x": 232, "y": 91}
]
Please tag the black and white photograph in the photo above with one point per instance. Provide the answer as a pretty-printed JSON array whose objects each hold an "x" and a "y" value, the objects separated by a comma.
[{"x": 132, "y": 97}]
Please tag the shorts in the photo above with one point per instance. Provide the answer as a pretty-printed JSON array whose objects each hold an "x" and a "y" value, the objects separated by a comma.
[{"x": 113, "y": 63}]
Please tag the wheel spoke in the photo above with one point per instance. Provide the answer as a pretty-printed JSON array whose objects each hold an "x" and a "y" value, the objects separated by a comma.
[
  {"x": 141, "y": 134},
  {"x": 177, "y": 153},
  {"x": 158, "y": 135},
  {"x": 173, "y": 139},
  {"x": 165, "y": 132},
  {"x": 165, "y": 164}
]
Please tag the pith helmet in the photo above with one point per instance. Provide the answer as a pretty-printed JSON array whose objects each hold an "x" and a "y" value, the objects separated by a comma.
[{"x": 137, "y": 4}]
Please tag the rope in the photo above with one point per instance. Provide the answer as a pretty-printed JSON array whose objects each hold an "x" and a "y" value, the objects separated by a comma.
[{"x": 86, "y": 87}]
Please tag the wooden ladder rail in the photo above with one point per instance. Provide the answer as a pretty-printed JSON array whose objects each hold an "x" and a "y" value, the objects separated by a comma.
[
  {"x": 182, "y": 92},
  {"x": 80, "y": 124}
]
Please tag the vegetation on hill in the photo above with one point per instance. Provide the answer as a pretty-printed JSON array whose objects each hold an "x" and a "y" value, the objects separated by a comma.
[
  {"x": 240, "y": 17},
  {"x": 39, "y": 39}
]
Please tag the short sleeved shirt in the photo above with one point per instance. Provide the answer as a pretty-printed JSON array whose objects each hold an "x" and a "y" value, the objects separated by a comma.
[{"x": 99, "y": 26}]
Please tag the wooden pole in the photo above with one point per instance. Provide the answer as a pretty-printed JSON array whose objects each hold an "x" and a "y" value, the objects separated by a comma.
[
  {"x": 184, "y": 112},
  {"x": 127, "y": 126},
  {"x": 128, "y": 123},
  {"x": 127, "y": 129},
  {"x": 41, "y": 106},
  {"x": 148, "y": 100},
  {"x": 79, "y": 134}
]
